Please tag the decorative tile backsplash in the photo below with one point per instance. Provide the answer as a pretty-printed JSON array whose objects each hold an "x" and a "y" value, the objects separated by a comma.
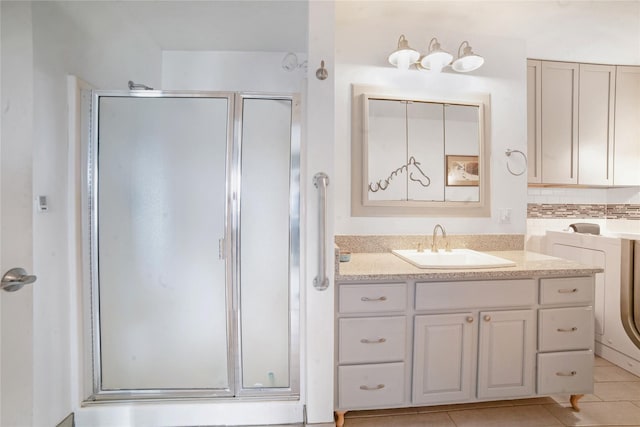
[
  {"x": 479, "y": 242},
  {"x": 583, "y": 210}
]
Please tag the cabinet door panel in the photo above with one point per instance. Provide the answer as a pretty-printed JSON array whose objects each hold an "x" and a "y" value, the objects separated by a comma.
[
  {"x": 567, "y": 328},
  {"x": 627, "y": 131},
  {"x": 506, "y": 354},
  {"x": 595, "y": 124},
  {"x": 372, "y": 339},
  {"x": 443, "y": 358},
  {"x": 371, "y": 386},
  {"x": 567, "y": 372},
  {"x": 534, "y": 122},
  {"x": 559, "y": 97}
]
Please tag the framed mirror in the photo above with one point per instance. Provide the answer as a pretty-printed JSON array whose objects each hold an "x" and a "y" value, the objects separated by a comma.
[{"x": 414, "y": 155}]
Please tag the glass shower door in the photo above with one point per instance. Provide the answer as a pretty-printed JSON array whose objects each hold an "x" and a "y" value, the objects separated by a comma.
[
  {"x": 160, "y": 223},
  {"x": 268, "y": 243}
]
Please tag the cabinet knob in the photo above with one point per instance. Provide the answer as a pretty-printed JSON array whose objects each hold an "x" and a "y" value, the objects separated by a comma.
[
  {"x": 487, "y": 318},
  {"x": 470, "y": 319}
]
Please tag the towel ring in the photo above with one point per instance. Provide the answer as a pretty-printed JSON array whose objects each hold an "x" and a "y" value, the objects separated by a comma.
[{"x": 508, "y": 153}]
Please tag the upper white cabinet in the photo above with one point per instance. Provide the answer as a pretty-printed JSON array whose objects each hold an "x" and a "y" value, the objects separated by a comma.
[
  {"x": 627, "y": 127},
  {"x": 595, "y": 124},
  {"x": 559, "y": 115},
  {"x": 534, "y": 123},
  {"x": 582, "y": 124}
]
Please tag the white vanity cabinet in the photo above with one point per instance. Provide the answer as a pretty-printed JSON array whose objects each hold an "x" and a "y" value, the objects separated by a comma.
[
  {"x": 506, "y": 354},
  {"x": 566, "y": 335},
  {"x": 438, "y": 379},
  {"x": 433, "y": 342},
  {"x": 498, "y": 344},
  {"x": 372, "y": 345}
]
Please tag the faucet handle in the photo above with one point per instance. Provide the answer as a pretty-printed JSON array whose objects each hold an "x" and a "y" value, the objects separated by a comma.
[
  {"x": 420, "y": 248},
  {"x": 447, "y": 246}
]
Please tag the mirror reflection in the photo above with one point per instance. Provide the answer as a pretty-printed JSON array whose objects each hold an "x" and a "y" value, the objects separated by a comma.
[
  {"x": 416, "y": 154},
  {"x": 423, "y": 151}
]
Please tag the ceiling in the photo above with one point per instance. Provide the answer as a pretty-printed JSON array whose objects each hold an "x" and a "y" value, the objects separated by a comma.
[{"x": 240, "y": 25}]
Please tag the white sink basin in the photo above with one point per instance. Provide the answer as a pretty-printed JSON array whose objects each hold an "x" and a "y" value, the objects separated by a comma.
[{"x": 457, "y": 258}]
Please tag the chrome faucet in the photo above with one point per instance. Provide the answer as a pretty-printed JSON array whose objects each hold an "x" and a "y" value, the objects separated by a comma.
[{"x": 434, "y": 247}]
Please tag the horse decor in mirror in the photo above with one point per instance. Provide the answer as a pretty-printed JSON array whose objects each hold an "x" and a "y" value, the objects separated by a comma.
[{"x": 417, "y": 155}]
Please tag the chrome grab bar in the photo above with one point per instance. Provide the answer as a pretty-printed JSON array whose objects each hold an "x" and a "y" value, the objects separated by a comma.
[{"x": 321, "y": 181}]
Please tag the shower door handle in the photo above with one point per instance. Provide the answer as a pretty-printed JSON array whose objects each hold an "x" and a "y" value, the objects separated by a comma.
[
  {"x": 14, "y": 279},
  {"x": 321, "y": 181}
]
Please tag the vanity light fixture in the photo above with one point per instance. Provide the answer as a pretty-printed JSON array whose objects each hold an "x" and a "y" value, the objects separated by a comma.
[
  {"x": 404, "y": 56},
  {"x": 436, "y": 58},
  {"x": 467, "y": 61}
]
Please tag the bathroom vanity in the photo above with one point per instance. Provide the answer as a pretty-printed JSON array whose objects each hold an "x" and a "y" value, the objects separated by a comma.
[{"x": 407, "y": 336}]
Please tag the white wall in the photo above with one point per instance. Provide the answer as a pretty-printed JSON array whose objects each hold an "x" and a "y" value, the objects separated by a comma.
[
  {"x": 16, "y": 369},
  {"x": 230, "y": 71},
  {"x": 505, "y": 33},
  {"x": 61, "y": 47}
]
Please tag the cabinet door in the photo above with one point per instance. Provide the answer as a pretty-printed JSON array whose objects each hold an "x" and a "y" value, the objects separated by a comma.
[
  {"x": 506, "y": 354},
  {"x": 443, "y": 358},
  {"x": 559, "y": 97},
  {"x": 627, "y": 131},
  {"x": 534, "y": 122},
  {"x": 595, "y": 124}
]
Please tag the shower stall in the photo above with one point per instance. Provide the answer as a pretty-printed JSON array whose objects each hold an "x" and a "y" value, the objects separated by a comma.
[{"x": 191, "y": 230}]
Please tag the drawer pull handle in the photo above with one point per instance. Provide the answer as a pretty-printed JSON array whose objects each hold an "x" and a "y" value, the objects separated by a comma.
[
  {"x": 567, "y": 291},
  {"x": 367, "y": 388},
  {"x": 367, "y": 299},
  {"x": 564, "y": 374},
  {"x": 487, "y": 318},
  {"x": 469, "y": 319},
  {"x": 378, "y": 341},
  {"x": 567, "y": 330}
]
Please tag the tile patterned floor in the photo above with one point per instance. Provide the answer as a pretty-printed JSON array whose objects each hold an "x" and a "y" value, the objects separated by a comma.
[{"x": 614, "y": 402}]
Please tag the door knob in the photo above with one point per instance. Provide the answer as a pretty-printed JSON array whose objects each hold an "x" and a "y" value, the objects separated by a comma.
[{"x": 15, "y": 279}]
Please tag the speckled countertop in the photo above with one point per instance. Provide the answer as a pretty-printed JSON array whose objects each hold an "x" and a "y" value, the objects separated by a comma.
[{"x": 386, "y": 266}]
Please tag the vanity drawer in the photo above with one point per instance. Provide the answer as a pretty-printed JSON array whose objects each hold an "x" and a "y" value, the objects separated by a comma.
[
  {"x": 565, "y": 329},
  {"x": 567, "y": 290},
  {"x": 476, "y": 294},
  {"x": 372, "y": 339},
  {"x": 370, "y": 386},
  {"x": 566, "y": 372},
  {"x": 374, "y": 298}
]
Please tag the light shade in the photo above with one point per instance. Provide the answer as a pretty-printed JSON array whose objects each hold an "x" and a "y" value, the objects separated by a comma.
[
  {"x": 467, "y": 61},
  {"x": 404, "y": 56},
  {"x": 436, "y": 58}
]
